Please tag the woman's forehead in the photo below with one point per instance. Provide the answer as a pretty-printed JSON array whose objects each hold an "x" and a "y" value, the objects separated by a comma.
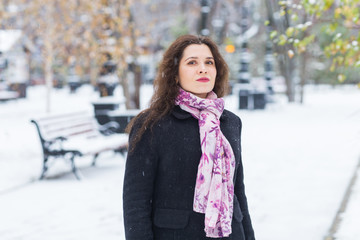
[{"x": 197, "y": 50}]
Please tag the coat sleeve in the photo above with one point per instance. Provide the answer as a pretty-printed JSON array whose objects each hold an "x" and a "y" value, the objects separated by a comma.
[
  {"x": 140, "y": 172},
  {"x": 240, "y": 194}
]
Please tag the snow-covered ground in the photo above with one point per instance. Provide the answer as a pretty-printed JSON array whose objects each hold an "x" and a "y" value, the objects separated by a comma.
[{"x": 298, "y": 162}]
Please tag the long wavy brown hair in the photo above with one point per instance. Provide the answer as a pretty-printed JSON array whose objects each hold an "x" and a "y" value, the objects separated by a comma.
[{"x": 166, "y": 87}]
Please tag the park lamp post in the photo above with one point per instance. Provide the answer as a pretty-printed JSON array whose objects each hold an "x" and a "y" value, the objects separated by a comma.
[
  {"x": 249, "y": 96},
  {"x": 245, "y": 96},
  {"x": 244, "y": 73},
  {"x": 205, "y": 9},
  {"x": 268, "y": 64},
  {"x": 218, "y": 25}
]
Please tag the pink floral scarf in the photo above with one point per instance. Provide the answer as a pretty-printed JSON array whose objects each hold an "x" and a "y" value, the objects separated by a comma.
[{"x": 214, "y": 190}]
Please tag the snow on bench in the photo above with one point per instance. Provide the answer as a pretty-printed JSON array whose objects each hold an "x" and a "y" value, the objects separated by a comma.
[{"x": 8, "y": 95}]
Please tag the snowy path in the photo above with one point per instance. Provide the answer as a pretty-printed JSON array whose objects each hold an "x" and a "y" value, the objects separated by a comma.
[
  {"x": 64, "y": 208},
  {"x": 298, "y": 161}
]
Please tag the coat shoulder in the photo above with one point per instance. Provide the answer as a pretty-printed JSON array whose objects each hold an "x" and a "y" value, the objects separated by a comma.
[
  {"x": 230, "y": 116},
  {"x": 139, "y": 119}
]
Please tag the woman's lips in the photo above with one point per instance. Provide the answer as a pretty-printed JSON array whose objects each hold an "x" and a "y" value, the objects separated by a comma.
[{"x": 203, "y": 80}]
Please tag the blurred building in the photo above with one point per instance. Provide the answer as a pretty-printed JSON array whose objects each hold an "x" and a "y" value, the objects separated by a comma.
[{"x": 15, "y": 49}]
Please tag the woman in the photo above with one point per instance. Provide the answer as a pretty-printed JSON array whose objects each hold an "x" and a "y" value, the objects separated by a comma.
[{"x": 184, "y": 176}]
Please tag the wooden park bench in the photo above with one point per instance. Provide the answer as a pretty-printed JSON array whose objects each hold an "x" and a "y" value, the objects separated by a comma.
[{"x": 74, "y": 135}]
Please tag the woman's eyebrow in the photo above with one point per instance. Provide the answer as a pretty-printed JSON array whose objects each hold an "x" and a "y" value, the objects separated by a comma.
[
  {"x": 191, "y": 58},
  {"x": 197, "y": 58}
]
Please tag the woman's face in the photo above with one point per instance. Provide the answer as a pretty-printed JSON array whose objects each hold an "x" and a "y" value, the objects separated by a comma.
[{"x": 197, "y": 71}]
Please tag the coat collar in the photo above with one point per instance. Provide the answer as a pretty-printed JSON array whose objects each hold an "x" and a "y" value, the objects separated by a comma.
[{"x": 182, "y": 114}]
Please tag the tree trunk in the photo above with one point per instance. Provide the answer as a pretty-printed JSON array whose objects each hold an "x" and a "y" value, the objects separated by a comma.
[
  {"x": 48, "y": 55},
  {"x": 125, "y": 85},
  {"x": 93, "y": 71},
  {"x": 303, "y": 66},
  {"x": 303, "y": 75},
  {"x": 290, "y": 80},
  {"x": 135, "y": 82},
  {"x": 287, "y": 71},
  {"x": 286, "y": 64}
]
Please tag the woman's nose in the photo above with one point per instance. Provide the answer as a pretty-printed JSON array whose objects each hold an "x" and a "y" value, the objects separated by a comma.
[{"x": 202, "y": 68}]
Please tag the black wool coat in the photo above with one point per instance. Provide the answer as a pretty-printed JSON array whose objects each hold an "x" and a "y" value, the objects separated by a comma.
[{"x": 160, "y": 178}]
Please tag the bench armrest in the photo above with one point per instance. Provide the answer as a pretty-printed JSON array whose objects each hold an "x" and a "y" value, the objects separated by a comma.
[
  {"x": 61, "y": 138},
  {"x": 109, "y": 128},
  {"x": 56, "y": 140}
]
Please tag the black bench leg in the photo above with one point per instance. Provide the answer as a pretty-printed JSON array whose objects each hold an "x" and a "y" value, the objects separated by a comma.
[
  {"x": 74, "y": 169},
  {"x": 94, "y": 159},
  {"x": 45, "y": 168}
]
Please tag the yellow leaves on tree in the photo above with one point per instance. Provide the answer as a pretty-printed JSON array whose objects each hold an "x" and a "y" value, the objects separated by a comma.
[{"x": 342, "y": 19}]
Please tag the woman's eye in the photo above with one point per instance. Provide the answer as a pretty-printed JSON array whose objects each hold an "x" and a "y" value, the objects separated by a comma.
[
  {"x": 191, "y": 62},
  {"x": 210, "y": 62}
]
